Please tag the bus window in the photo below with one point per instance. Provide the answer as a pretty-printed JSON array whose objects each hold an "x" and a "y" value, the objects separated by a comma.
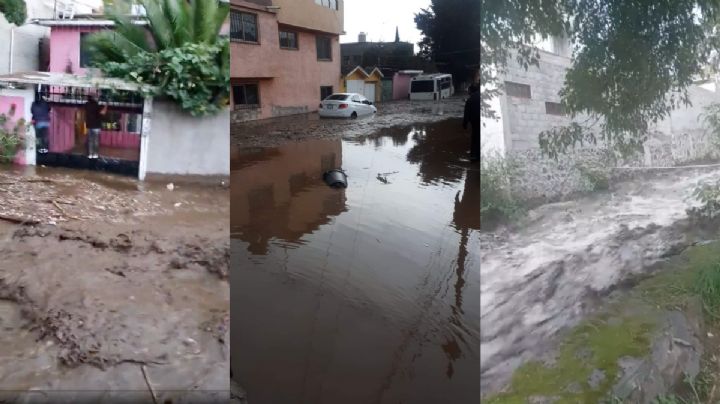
[{"x": 422, "y": 86}]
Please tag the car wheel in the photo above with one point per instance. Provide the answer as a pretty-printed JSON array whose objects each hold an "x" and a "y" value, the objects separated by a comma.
[{"x": 353, "y": 115}]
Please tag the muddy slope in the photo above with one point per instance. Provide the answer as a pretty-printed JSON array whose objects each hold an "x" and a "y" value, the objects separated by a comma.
[{"x": 548, "y": 275}]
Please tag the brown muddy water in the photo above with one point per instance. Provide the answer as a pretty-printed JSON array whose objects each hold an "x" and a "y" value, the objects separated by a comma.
[
  {"x": 364, "y": 295},
  {"x": 119, "y": 282}
]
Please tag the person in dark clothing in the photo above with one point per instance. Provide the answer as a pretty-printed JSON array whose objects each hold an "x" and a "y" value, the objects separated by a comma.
[
  {"x": 40, "y": 110},
  {"x": 472, "y": 116},
  {"x": 93, "y": 121}
]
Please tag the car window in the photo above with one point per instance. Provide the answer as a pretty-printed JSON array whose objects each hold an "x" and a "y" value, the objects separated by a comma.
[
  {"x": 356, "y": 98},
  {"x": 338, "y": 97}
]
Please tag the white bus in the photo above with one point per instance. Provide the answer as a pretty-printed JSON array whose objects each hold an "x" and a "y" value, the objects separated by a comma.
[{"x": 431, "y": 87}]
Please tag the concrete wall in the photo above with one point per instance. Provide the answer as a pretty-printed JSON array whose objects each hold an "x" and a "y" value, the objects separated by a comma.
[
  {"x": 679, "y": 139},
  {"x": 308, "y": 14},
  {"x": 182, "y": 144},
  {"x": 289, "y": 80},
  {"x": 24, "y": 52}
]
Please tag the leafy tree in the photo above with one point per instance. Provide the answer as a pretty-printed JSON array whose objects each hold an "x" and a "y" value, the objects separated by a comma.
[
  {"x": 181, "y": 52},
  {"x": 632, "y": 61},
  {"x": 14, "y": 10},
  {"x": 451, "y": 31}
]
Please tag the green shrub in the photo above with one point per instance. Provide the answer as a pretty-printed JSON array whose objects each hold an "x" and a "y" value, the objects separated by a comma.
[
  {"x": 598, "y": 179},
  {"x": 497, "y": 202},
  {"x": 14, "y": 11},
  {"x": 11, "y": 136},
  {"x": 709, "y": 197}
]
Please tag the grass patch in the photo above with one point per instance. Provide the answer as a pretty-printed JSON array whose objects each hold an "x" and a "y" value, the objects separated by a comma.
[
  {"x": 596, "y": 344},
  {"x": 692, "y": 275}
]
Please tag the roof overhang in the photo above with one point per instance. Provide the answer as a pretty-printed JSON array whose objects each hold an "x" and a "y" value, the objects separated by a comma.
[
  {"x": 71, "y": 80},
  {"x": 100, "y": 21}
]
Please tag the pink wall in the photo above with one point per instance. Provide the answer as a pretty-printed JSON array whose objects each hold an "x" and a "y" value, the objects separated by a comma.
[
  {"x": 289, "y": 80},
  {"x": 61, "y": 136},
  {"x": 7, "y": 102},
  {"x": 65, "y": 48},
  {"x": 401, "y": 86}
]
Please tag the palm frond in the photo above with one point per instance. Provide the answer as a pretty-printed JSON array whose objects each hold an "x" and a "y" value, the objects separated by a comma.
[
  {"x": 160, "y": 28},
  {"x": 177, "y": 13}
]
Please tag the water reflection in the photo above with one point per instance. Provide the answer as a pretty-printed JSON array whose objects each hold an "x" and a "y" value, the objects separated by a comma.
[
  {"x": 283, "y": 196},
  {"x": 363, "y": 295}
]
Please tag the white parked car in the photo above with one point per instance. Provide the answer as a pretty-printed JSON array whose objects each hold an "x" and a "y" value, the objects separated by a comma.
[{"x": 346, "y": 105}]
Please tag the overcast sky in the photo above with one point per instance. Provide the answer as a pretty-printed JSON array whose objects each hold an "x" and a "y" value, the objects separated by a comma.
[{"x": 380, "y": 17}]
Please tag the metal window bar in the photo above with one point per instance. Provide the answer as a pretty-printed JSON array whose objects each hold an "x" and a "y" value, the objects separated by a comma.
[{"x": 79, "y": 95}]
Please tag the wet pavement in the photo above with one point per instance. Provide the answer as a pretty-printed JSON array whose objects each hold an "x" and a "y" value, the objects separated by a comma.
[
  {"x": 368, "y": 294},
  {"x": 111, "y": 283},
  {"x": 565, "y": 258},
  {"x": 276, "y": 131}
]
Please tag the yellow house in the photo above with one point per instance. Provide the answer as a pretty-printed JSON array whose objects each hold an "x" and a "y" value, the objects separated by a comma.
[{"x": 358, "y": 80}]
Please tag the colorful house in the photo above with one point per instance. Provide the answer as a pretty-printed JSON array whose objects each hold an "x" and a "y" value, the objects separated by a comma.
[
  {"x": 358, "y": 80},
  {"x": 127, "y": 145},
  {"x": 285, "y": 56}
]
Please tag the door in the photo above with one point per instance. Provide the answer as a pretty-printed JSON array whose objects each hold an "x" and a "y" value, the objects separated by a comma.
[
  {"x": 369, "y": 92},
  {"x": 355, "y": 86}
]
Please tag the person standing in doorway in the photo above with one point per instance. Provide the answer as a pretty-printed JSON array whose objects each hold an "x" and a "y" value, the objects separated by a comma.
[
  {"x": 472, "y": 116},
  {"x": 93, "y": 121},
  {"x": 40, "y": 110}
]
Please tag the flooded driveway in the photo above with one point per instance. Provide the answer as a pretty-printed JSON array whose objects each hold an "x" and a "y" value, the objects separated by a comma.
[
  {"x": 364, "y": 295},
  {"x": 111, "y": 285}
]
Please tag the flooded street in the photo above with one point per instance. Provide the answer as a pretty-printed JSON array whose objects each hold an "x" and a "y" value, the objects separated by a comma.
[
  {"x": 110, "y": 283},
  {"x": 554, "y": 270},
  {"x": 368, "y": 294}
]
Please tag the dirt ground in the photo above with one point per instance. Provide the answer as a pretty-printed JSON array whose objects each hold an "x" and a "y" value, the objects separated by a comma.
[
  {"x": 112, "y": 290},
  {"x": 273, "y": 132}
]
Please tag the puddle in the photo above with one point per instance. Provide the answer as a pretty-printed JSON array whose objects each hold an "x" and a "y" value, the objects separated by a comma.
[{"x": 364, "y": 295}]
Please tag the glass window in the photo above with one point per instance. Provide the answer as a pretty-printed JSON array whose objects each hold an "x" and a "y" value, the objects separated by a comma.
[
  {"x": 517, "y": 90},
  {"x": 324, "y": 48},
  {"x": 243, "y": 26},
  {"x": 422, "y": 86},
  {"x": 246, "y": 94},
  {"x": 112, "y": 121},
  {"x": 288, "y": 40},
  {"x": 325, "y": 91},
  {"x": 85, "y": 60},
  {"x": 554, "y": 108},
  {"x": 338, "y": 97}
]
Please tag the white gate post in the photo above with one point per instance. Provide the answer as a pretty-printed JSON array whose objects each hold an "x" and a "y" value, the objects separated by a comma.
[{"x": 145, "y": 132}]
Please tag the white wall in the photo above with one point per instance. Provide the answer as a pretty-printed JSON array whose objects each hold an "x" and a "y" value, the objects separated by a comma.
[
  {"x": 25, "y": 49},
  {"x": 182, "y": 144}
]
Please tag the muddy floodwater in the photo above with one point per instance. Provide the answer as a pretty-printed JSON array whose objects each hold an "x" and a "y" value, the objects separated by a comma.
[
  {"x": 565, "y": 257},
  {"x": 364, "y": 295},
  {"x": 110, "y": 285}
]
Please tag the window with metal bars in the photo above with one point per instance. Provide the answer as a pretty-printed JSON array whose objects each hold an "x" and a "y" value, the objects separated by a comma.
[{"x": 243, "y": 26}]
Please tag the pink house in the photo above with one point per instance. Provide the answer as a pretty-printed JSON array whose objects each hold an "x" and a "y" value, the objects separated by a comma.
[
  {"x": 285, "y": 56},
  {"x": 68, "y": 54},
  {"x": 401, "y": 83}
]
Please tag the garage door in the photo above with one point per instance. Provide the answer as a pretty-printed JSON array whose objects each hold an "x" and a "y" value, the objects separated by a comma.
[
  {"x": 355, "y": 86},
  {"x": 369, "y": 92}
]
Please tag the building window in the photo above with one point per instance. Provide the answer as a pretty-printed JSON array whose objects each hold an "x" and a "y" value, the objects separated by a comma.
[
  {"x": 554, "y": 108},
  {"x": 324, "y": 48},
  {"x": 333, "y": 4},
  {"x": 85, "y": 50},
  {"x": 245, "y": 95},
  {"x": 325, "y": 91},
  {"x": 288, "y": 40},
  {"x": 243, "y": 26},
  {"x": 134, "y": 123},
  {"x": 517, "y": 89}
]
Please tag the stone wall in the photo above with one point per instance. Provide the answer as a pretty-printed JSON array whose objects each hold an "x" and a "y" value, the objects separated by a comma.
[{"x": 677, "y": 140}]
